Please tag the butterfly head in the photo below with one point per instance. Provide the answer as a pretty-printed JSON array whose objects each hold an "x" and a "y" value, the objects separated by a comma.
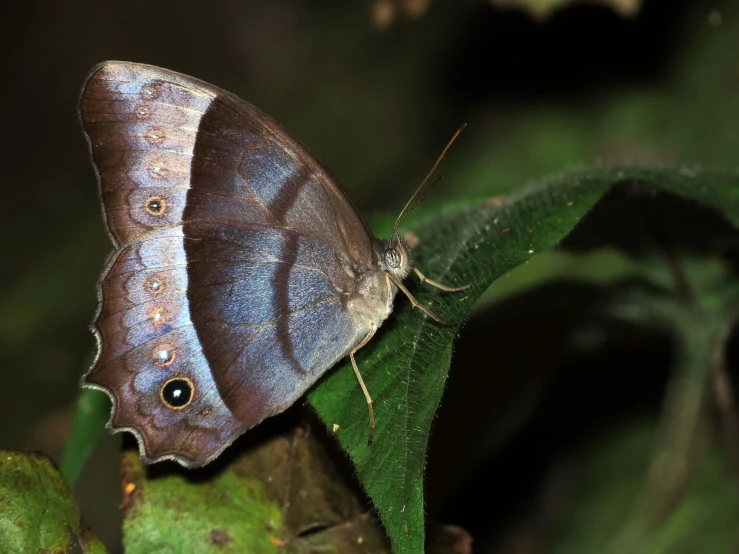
[{"x": 397, "y": 257}]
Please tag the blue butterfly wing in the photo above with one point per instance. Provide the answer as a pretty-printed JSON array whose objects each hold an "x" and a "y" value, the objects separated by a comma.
[
  {"x": 237, "y": 266},
  {"x": 269, "y": 311}
]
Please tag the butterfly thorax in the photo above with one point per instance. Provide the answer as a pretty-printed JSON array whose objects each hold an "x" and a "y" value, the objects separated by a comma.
[{"x": 372, "y": 299}]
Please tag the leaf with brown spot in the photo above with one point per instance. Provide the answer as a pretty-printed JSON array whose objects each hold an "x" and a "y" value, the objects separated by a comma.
[
  {"x": 283, "y": 493},
  {"x": 259, "y": 501},
  {"x": 37, "y": 510}
]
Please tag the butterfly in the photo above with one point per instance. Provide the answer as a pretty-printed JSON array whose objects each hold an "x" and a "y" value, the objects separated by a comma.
[{"x": 241, "y": 272}]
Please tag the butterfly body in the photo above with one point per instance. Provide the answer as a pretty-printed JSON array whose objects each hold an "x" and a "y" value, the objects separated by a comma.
[{"x": 241, "y": 273}]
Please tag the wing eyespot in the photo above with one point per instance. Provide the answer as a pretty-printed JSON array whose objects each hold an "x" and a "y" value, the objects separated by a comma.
[
  {"x": 154, "y": 284},
  {"x": 142, "y": 112},
  {"x": 158, "y": 171},
  {"x": 164, "y": 355},
  {"x": 158, "y": 316},
  {"x": 155, "y": 136},
  {"x": 177, "y": 393},
  {"x": 150, "y": 92},
  {"x": 156, "y": 205}
]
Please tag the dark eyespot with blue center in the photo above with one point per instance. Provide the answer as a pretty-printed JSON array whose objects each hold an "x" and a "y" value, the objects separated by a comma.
[
  {"x": 392, "y": 258},
  {"x": 177, "y": 393}
]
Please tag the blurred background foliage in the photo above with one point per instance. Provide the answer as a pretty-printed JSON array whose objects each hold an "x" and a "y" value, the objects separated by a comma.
[{"x": 546, "y": 428}]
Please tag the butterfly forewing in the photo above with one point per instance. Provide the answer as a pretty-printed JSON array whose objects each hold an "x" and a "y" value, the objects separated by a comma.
[{"x": 237, "y": 261}]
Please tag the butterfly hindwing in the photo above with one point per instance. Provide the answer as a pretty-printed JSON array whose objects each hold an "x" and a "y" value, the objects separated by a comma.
[{"x": 146, "y": 340}]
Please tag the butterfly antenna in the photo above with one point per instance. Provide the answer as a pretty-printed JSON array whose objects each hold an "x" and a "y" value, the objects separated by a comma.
[
  {"x": 416, "y": 203},
  {"x": 412, "y": 202}
]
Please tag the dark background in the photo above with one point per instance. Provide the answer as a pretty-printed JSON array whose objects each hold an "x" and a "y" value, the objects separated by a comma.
[{"x": 584, "y": 86}]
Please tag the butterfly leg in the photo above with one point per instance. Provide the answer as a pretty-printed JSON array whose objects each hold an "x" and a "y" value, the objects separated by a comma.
[
  {"x": 390, "y": 277},
  {"x": 433, "y": 283},
  {"x": 365, "y": 340}
]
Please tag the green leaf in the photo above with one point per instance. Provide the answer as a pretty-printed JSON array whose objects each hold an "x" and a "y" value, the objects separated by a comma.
[
  {"x": 91, "y": 414},
  {"x": 37, "y": 510},
  {"x": 229, "y": 513},
  {"x": 405, "y": 366}
]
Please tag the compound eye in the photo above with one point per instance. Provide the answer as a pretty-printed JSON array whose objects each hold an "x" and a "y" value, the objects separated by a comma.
[{"x": 392, "y": 258}]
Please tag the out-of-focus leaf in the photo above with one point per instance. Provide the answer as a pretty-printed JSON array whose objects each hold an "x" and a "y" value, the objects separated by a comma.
[
  {"x": 611, "y": 481},
  {"x": 541, "y": 9},
  {"x": 91, "y": 415},
  {"x": 384, "y": 12}
]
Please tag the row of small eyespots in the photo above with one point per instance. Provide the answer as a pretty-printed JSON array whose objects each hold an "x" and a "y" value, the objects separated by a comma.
[
  {"x": 153, "y": 136},
  {"x": 177, "y": 393},
  {"x": 155, "y": 205}
]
